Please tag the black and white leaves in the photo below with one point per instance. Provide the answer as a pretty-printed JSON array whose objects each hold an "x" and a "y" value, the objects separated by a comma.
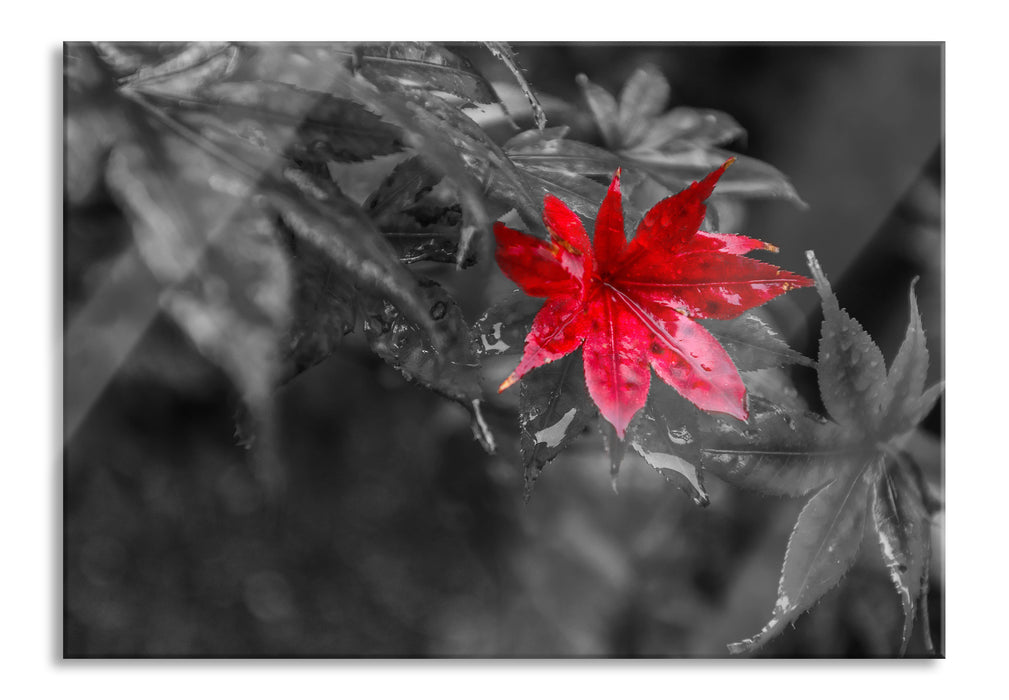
[
  {"x": 223, "y": 163},
  {"x": 678, "y": 146},
  {"x": 849, "y": 465}
]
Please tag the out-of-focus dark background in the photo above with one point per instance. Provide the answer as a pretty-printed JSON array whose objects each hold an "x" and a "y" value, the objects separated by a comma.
[{"x": 397, "y": 535}]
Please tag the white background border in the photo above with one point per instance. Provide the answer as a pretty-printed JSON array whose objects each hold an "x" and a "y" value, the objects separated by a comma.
[{"x": 976, "y": 466}]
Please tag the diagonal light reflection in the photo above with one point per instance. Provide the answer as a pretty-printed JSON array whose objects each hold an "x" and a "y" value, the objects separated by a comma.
[
  {"x": 795, "y": 317},
  {"x": 100, "y": 337}
]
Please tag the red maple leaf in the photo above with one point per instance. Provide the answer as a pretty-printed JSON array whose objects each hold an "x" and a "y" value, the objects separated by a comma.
[{"x": 632, "y": 302}]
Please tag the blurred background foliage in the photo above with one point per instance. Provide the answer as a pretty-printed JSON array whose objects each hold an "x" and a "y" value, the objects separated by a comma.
[{"x": 396, "y": 534}]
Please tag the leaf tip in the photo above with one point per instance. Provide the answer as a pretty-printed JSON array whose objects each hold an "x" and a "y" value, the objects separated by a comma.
[
  {"x": 822, "y": 284},
  {"x": 913, "y": 298},
  {"x": 615, "y": 183},
  {"x": 620, "y": 428},
  {"x": 737, "y": 648},
  {"x": 512, "y": 378},
  {"x": 481, "y": 431},
  {"x": 466, "y": 236},
  {"x": 739, "y": 412},
  {"x": 905, "y": 639}
]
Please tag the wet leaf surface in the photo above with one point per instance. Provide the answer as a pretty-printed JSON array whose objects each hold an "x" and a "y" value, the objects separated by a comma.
[
  {"x": 666, "y": 434},
  {"x": 579, "y": 192},
  {"x": 331, "y": 222},
  {"x": 418, "y": 224},
  {"x": 453, "y": 371},
  {"x": 503, "y": 328},
  {"x": 485, "y": 160},
  {"x": 424, "y": 64},
  {"x": 551, "y": 164},
  {"x": 554, "y": 409},
  {"x": 632, "y": 304}
]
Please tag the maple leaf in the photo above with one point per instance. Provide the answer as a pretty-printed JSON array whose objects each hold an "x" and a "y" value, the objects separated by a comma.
[
  {"x": 631, "y": 305},
  {"x": 674, "y": 147},
  {"x": 852, "y": 464}
]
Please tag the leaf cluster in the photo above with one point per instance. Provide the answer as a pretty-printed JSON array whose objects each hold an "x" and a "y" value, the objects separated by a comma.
[{"x": 244, "y": 170}]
